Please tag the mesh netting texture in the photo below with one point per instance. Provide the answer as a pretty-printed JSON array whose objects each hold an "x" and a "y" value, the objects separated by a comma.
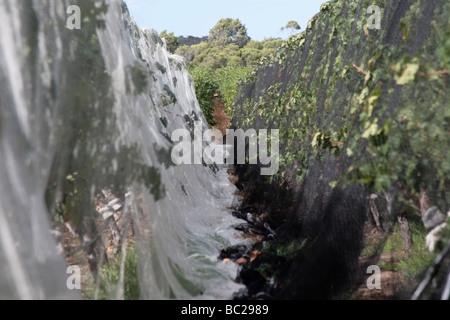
[{"x": 363, "y": 117}]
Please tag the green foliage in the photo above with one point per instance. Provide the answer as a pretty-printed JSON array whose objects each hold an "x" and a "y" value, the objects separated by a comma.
[
  {"x": 223, "y": 82},
  {"x": 207, "y": 55},
  {"x": 171, "y": 41},
  {"x": 292, "y": 26},
  {"x": 168, "y": 97},
  {"x": 228, "y": 31},
  {"x": 228, "y": 45},
  {"x": 217, "y": 66},
  {"x": 164, "y": 121},
  {"x": 87, "y": 122},
  {"x": 161, "y": 68},
  {"x": 139, "y": 77},
  {"x": 370, "y": 104},
  {"x": 228, "y": 79},
  {"x": 193, "y": 52},
  {"x": 284, "y": 248},
  {"x": 274, "y": 252},
  {"x": 110, "y": 276},
  {"x": 205, "y": 88},
  {"x": 403, "y": 145},
  {"x": 420, "y": 258}
]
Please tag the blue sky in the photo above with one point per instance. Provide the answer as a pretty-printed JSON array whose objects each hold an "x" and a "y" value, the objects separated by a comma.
[{"x": 263, "y": 18}]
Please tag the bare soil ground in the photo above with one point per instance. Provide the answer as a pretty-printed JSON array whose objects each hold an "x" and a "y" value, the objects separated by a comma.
[
  {"x": 220, "y": 116},
  {"x": 391, "y": 281}
]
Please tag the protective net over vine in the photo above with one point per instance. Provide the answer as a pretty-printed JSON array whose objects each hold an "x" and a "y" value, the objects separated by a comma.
[
  {"x": 362, "y": 105},
  {"x": 91, "y": 203}
]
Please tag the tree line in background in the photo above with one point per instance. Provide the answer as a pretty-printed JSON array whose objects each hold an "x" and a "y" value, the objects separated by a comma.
[{"x": 219, "y": 61}]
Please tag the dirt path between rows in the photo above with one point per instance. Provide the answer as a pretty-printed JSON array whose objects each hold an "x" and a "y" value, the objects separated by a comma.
[
  {"x": 391, "y": 282},
  {"x": 220, "y": 116}
]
